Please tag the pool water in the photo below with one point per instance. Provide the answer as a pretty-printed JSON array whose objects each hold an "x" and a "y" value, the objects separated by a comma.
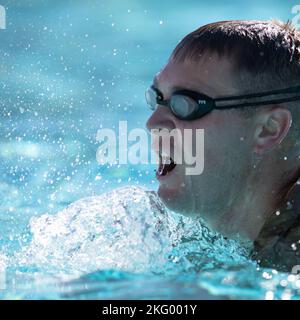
[
  {"x": 125, "y": 244},
  {"x": 74, "y": 229}
]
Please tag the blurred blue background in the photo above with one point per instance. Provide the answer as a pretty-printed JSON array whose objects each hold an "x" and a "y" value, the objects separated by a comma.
[{"x": 70, "y": 67}]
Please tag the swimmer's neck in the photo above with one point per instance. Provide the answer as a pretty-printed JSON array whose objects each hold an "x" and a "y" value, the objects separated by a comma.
[{"x": 253, "y": 207}]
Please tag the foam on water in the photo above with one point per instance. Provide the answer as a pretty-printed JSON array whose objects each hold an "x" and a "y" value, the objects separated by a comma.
[
  {"x": 127, "y": 229},
  {"x": 125, "y": 243}
]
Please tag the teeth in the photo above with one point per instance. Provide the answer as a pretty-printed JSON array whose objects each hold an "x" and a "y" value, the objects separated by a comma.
[
  {"x": 166, "y": 164},
  {"x": 160, "y": 171},
  {"x": 165, "y": 160}
]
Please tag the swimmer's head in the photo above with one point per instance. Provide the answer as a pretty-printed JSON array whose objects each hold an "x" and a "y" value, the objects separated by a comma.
[{"x": 247, "y": 151}]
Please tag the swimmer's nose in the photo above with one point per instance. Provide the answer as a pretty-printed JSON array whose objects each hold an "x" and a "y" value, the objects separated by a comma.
[{"x": 161, "y": 118}]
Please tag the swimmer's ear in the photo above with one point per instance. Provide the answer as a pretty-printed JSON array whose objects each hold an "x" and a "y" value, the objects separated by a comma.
[{"x": 271, "y": 128}]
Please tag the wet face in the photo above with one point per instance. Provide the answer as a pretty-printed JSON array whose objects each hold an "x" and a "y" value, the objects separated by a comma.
[{"x": 227, "y": 146}]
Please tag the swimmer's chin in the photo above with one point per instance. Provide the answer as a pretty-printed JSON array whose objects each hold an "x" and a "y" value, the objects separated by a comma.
[{"x": 176, "y": 204}]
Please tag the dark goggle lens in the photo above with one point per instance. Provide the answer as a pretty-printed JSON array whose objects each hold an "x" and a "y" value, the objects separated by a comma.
[
  {"x": 151, "y": 98},
  {"x": 183, "y": 107}
]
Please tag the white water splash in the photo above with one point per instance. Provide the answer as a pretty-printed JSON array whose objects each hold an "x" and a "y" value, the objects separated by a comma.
[{"x": 127, "y": 229}]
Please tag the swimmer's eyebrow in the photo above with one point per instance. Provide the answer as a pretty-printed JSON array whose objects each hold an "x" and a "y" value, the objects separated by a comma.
[{"x": 155, "y": 84}]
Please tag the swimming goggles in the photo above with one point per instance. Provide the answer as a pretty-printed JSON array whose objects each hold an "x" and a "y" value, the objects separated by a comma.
[{"x": 191, "y": 105}]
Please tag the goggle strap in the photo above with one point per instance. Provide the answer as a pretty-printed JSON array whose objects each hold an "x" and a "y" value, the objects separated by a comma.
[
  {"x": 266, "y": 102},
  {"x": 261, "y": 94}
]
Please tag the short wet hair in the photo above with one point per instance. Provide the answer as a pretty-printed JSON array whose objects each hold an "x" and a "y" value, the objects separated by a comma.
[
  {"x": 266, "y": 50},
  {"x": 265, "y": 56}
]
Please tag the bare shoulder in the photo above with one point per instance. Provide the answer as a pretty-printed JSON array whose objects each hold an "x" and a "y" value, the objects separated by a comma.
[{"x": 278, "y": 244}]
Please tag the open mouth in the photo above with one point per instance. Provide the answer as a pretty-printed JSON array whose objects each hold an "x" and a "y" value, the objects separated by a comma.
[{"x": 166, "y": 165}]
